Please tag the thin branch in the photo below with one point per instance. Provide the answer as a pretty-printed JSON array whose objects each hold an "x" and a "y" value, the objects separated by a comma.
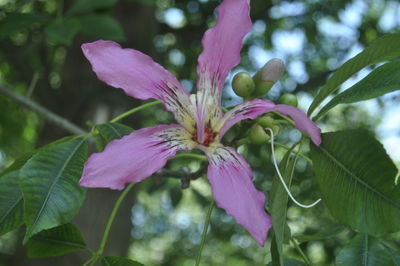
[
  {"x": 32, "y": 85},
  {"x": 183, "y": 174},
  {"x": 204, "y": 234},
  {"x": 46, "y": 113}
]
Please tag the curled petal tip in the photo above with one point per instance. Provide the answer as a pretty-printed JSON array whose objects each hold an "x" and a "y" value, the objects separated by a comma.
[{"x": 316, "y": 139}]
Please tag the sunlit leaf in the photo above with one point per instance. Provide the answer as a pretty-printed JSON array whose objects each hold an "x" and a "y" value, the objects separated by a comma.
[
  {"x": 356, "y": 178},
  {"x": 385, "y": 48},
  {"x": 382, "y": 80},
  {"x": 118, "y": 261},
  {"x": 56, "y": 241},
  {"x": 82, "y": 6},
  {"x": 62, "y": 32},
  {"x": 365, "y": 250},
  {"x": 11, "y": 202},
  {"x": 102, "y": 26},
  {"x": 49, "y": 183}
]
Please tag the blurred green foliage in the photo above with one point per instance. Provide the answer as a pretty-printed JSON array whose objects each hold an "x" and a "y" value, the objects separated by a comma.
[{"x": 43, "y": 37}]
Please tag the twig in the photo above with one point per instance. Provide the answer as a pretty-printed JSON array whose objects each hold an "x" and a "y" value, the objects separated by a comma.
[
  {"x": 300, "y": 251},
  {"x": 204, "y": 234},
  {"x": 46, "y": 113},
  {"x": 183, "y": 174},
  {"x": 32, "y": 85}
]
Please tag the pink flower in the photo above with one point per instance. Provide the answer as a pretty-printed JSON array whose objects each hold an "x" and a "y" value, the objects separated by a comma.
[{"x": 201, "y": 122}]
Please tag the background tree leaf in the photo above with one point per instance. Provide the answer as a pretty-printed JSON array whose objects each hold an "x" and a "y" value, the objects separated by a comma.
[
  {"x": 49, "y": 183},
  {"x": 82, "y": 6},
  {"x": 365, "y": 250},
  {"x": 118, "y": 261},
  {"x": 56, "y": 241},
  {"x": 11, "y": 203},
  {"x": 62, "y": 32},
  {"x": 146, "y": 2},
  {"x": 385, "y": 48},
  {"x": 323, "y": 233},
  {"x": 356, "y": 178},
  {"x": 102, "y": 26},
  {"x": 289, "y": 262},
  {"x": 16, "y": 22},
  {"x": 382, "y": 80},
  {"x": 278, "y": 202}
]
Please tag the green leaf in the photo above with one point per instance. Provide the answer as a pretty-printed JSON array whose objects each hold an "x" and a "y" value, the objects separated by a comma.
[
  {"x": 329, "y": 230},
  {"x": 395, "y": 257},
  {"x": 276, "y": 255},
  {"x": 278, "y": 201},
  {"x": 111, "y": 131},
  {"x": 385, "y": 48},
  {"x": 56, "y": 241},
  {"x": 20, "y": 161},
  {"x": 16, "y": 22},
  {"x": 49, "y": 183},
  {"x": 146, "y": 2},
  {"x": 356, "y": 178},
  {"x": 382, "y": 80},
  {"x": 175, "y": 194},
  {"x": 365, "y": 250},
  {"x": 62, "y": 32},
  {"x": 118, "y": 261},
  {"x": 102, "y": 26},
  {"x": 11, "y": 203},
  {"x": 289, "y": 262},
  {"x": 82, "y": 6}
]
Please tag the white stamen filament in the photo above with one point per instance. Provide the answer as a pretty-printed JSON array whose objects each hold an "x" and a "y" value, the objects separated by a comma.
[{"x": 281, "y": 178}]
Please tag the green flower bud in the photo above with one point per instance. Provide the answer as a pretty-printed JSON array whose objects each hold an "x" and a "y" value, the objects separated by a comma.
[
  {"x": 257, "y": 135},
  {"x": 267, "y": 76},
  {"x": 275, "y": 129},
  {"x": 288, "y": 99},
  {"x": 265, "y": 121},
  {"x": 243, "y": 84}
]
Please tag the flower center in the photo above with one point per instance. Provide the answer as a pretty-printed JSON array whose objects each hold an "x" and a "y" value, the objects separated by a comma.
[{"x": 209, "y": 136}]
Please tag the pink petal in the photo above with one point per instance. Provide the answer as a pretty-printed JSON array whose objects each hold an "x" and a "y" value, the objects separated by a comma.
[
  {"x": 135, "y": 156},
  {"x": 222, "y": 45},
  {"x": 139, "y": 76},
  {"x": 257, "y": 107},
  {"x": 231, "y": 180}
]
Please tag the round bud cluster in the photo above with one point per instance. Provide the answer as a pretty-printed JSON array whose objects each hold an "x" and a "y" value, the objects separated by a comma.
[
  {"x": 267, "y": 76},
  {"x": 243, "y": 84},
  {"x": 250, "y": 87},
  {"x": 257, "y": 132},
  {"x": 288, "y": 99}
]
